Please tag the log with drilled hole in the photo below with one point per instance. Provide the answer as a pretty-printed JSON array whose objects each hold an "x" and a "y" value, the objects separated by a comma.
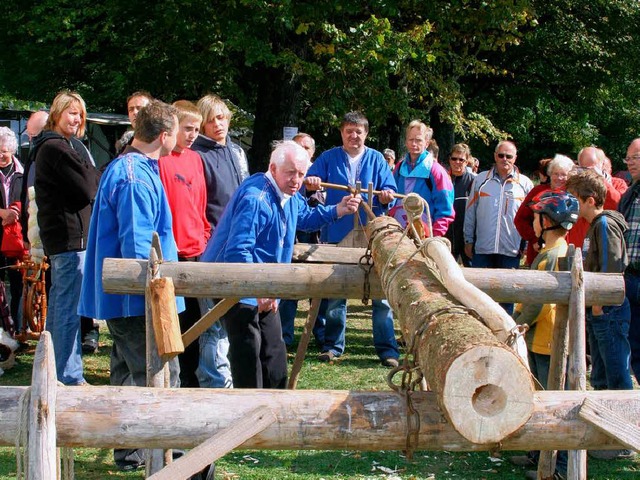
[{"x": 482, "y": 386}]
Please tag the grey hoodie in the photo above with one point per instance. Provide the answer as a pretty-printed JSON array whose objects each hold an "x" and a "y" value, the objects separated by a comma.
[{"x": 605, "y": 247}]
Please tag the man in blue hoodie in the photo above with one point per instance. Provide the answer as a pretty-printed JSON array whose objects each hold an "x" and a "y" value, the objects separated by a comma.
[{"x": 346, "y": 165}]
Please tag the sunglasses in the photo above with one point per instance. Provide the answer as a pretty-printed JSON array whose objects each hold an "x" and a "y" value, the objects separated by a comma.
[
  {"x": 457, "y": 159},
  {"x": 508, "y": 156}
]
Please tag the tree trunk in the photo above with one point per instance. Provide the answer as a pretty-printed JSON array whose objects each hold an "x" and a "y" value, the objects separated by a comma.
[
  {"x": 276, "y": 107},
  {"x": 483, "y": 388},
  {"x": 130, "y": 417}
]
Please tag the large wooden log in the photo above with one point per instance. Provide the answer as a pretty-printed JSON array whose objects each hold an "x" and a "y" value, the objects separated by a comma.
[
  {"x": 221, "y": 280},
  {"x": 484, "y": 388},
  {"x": 129, "y": 417}
]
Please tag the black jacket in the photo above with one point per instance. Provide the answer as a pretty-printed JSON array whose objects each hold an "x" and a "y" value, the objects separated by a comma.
[
  {"x": 223, "y": 171},
  {"x": 66, "y": 183}
]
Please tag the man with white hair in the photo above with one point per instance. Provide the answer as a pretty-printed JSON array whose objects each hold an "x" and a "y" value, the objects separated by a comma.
[{"x": 258, "y": 226}]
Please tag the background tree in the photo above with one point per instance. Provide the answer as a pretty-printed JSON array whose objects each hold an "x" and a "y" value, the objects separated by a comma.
[{"x": 554, "y": 75}]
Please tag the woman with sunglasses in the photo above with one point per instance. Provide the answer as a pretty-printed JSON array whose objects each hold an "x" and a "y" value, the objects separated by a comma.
[{"x": 462, "y": 178}]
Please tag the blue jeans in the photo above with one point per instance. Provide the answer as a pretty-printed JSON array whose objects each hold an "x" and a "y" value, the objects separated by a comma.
[
  {"x": 288, "y": 309},
  {"x": 214, "y": 370},
  {"x": 63, "y": 321},
  {"x": 632, "y": 290},
  {"x": 495, "y": 260},
  {"x": 610, "y": 351},
  {"x": 384, "y": 339}
]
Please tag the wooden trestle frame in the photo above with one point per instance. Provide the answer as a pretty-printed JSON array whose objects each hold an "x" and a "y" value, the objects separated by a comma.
[{"x": 130, "y": 416}]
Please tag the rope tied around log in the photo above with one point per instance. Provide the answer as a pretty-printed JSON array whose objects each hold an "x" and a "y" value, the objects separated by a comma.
[{"x": 366, "y": 260}]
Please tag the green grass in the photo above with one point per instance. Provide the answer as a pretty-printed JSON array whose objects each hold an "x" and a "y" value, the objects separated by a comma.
[{"x": 358, "y": 369}]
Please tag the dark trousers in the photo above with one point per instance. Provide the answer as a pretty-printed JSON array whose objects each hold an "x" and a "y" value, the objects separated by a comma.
[
  {"x": 257, "y": 353},
  {"x": 191, "y": 356},
  {"x": 15, "y": 287},
  {"x": 495, "y": 260},
  {"x": 129, "y": 367}
]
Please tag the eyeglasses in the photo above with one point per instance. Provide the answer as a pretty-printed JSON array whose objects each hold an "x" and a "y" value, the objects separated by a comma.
[
  {"x": 508, "y": 156},
  {"x": 457, "y": 159},
  {"x": 633, "y": 158}
]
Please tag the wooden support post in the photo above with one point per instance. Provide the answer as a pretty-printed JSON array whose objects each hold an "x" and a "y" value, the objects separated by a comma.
[
  {"x": 612, "y": 423},
  {"x": 483, "y": 387},
  {"x": 577, "y": 363},
  {"x": 157, "y": 370},
  {"x": 43, "y": 458},
  {"x": 208, "y": 319},
  {"x": 218, "y": 445},
  {"x": 299, "y": 281},
  {"x": 304, "y": 343}
]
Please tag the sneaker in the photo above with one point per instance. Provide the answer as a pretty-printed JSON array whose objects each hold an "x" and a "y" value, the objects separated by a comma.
[
  {"x": 523, "y": 461},
  {"x": 390, "y": 362},
  {"x": 326, "y": 357},
  {"x": 90, "y": 342},
  {"x": 623, "y": 454}
]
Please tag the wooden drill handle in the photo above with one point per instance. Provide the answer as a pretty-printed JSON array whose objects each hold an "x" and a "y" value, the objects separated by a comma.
[{"x": 349, "y": 189}]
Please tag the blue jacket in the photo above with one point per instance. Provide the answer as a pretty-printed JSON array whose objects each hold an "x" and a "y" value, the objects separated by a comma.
[
  {"x": 432, "y": 183},
  {"x": 256, "y": 228},
  {"x": 333, "y": 166},
  {"x": 130, "y": 205}
]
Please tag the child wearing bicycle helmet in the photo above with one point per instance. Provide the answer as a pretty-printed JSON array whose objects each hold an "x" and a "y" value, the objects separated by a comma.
[{"x": 555, "y": 213}]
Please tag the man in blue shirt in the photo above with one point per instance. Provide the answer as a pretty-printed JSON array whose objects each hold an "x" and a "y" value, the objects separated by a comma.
[
  {"x": 346, "y": 165},
  {"x": 259, "y": 226},
  {"x": 130, "y": 205}
]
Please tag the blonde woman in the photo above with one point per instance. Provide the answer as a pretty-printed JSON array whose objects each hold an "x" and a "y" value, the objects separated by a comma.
[{"x": 65, "y": 184}]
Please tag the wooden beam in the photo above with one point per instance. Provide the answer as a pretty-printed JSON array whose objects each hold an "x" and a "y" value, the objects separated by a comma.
[
  {"x": 304, "y": 343},
  {"x": 218, "y": 445},
  {"x": 577, "y": 362},
  {"x": 157, "y": 370},
  {"x": 208, "y": 319},
  {"x": 43, "y": 458},
  {"x": 612, "y": 423},
  {"x": 483, "y": 387},
  {"x": 299, "y": 281},
  {"x": 133, "y": 417}
]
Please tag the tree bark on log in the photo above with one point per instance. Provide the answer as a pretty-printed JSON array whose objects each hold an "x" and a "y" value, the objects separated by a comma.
[
  {"x": 483, "y": 387},
  {"x": 130, "y": 417},
  {"x": 299, "y": 281}
]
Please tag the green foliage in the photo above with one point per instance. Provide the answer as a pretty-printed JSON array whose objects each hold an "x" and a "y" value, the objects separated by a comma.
[{"x": 553, "y": 75}]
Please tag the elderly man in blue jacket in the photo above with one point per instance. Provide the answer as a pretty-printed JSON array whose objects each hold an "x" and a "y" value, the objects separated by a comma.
[
  {"x": 259, "y": 226},
  {"x": 346, "y": 165}
]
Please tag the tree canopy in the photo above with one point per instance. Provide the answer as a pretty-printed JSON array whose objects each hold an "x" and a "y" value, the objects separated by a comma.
[{"x": 553, "y": 75}]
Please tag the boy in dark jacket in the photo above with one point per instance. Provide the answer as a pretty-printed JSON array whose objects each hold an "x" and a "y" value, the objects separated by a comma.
[{"x": 605, "y": 251}]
